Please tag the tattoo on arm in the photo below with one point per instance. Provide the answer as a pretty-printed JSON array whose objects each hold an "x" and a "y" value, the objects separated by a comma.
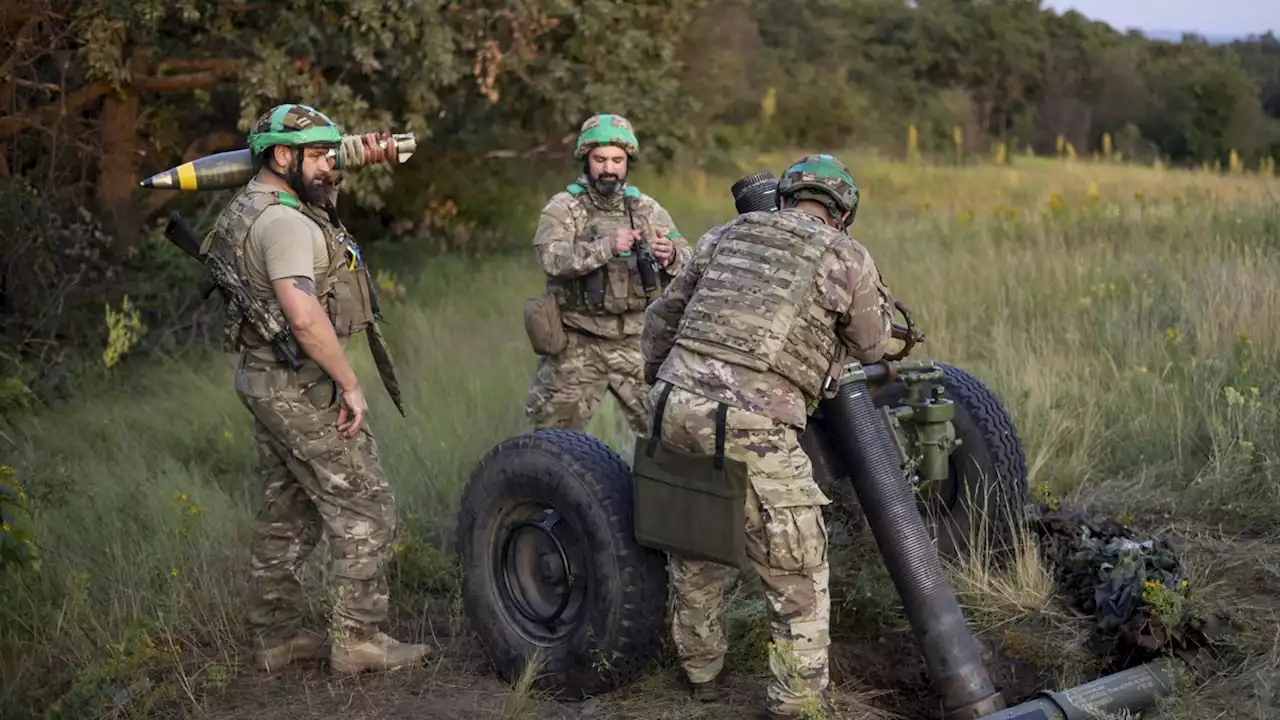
[{"x": 305, "y": 285}]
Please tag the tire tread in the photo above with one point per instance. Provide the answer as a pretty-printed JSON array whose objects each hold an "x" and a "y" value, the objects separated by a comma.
[
  {"x": 636, "y": 635},
  {"x": 996, "y": 424}
]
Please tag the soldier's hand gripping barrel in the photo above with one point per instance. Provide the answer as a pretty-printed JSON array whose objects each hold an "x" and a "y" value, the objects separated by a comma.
[{"x": 235, "y": 167}]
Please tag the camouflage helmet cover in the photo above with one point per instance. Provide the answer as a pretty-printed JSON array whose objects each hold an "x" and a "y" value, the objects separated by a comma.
[
  {"x": 607, "y": 130},
  {"x": 825, "y": 179},
  {"x": 293, "y": 125}
]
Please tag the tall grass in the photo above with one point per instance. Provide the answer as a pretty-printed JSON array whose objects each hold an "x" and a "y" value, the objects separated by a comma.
[{"x": 1128, "y": 317}]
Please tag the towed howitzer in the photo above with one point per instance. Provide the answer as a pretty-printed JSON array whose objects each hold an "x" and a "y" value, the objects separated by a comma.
[
  {"x": 847, "y": 438},
  {"x": 759, "y": 193},
  {"x": 234, "y": 168},
  {"x": 237, "y": 296},
  {"x": 570, "y": 479}
]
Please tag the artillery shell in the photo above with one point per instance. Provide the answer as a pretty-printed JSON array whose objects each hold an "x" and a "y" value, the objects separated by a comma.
[{"x": 234, "y": 168}]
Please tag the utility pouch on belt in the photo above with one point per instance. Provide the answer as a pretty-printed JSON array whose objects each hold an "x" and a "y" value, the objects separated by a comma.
[
  {"x": 690, "y": 504},
  {"x": 542, "y": 324}
]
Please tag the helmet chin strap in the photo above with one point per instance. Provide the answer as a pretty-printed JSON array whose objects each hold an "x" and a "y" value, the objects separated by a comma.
[
  {"x": 294, "y": 178},
  {"x": 834, "y": 218}
]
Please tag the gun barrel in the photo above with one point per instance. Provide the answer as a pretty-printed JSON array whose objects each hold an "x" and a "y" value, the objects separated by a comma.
[
  {"x": 179, "y": 233},
  {"x": 755, "y": 192}
]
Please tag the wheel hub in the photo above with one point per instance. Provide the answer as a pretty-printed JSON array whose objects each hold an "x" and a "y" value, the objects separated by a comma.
[
  {"x": 535, "y": 564},
  {"x": 552, "y": 568}
]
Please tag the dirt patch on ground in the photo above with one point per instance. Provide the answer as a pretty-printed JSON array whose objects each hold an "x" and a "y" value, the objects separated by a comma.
[{"x": 876, "y": 667}]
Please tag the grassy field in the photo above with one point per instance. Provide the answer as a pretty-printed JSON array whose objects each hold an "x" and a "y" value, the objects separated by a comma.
[{"x": 1128, "y": 317}]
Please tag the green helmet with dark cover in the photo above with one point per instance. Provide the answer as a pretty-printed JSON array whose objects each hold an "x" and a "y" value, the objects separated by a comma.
[
  {"x": 607, "y": 130},
  {"x": 293, "y": 125},
  {"x": 824, "y": 179}
]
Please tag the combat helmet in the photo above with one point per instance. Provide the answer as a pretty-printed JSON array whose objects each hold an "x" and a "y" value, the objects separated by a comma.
[
  {"x": 607, "y": 130},
  {"x": 825, "y": 179},
  {"x": 293, "y": 125}
]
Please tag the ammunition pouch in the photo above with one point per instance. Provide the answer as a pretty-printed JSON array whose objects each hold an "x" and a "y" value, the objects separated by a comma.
[
  {"x": 593, "y": 293},
  {"x": 348, "y": 298},
  {"x": 542, "y": 323},
  {"x": 690, "y": 504},
  {"x": 583, "y": 294}
]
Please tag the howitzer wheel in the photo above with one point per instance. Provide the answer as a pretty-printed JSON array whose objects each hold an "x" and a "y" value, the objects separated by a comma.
[
  {"x": 987, "y": 483},
  {"x": 551, "y": 565}
]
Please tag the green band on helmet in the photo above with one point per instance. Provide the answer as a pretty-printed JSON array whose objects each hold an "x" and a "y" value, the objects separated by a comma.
[
  {"x": 609, "y": 132},
  {"x": 293, "y": 125},
  {"x": 277, "y": 117},
  {"x": 822, "y": 170},
  {"x": 311, "y": 136},
  {"x": 602, "y": 135},
  {"x": 824, "y": 178}
]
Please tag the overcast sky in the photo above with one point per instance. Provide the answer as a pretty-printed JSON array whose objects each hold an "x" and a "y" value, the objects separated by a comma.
[{"x": 1236, "y": 17}]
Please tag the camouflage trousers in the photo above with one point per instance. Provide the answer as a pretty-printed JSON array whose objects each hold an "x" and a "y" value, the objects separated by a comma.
[
  {"x": 568, "y": 387},
  {"x": 314, "y": 482},
  {"x": 786, "y": 544}
]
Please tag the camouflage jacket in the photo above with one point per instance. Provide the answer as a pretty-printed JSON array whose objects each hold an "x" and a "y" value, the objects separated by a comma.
[
  {"x": 769, "y": 303},
  {"x": 600, "y": 293}
]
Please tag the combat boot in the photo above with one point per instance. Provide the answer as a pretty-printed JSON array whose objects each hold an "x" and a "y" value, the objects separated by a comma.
[
  {"x": 274, "y": 654},
  {"x": 378, "y": 652}
]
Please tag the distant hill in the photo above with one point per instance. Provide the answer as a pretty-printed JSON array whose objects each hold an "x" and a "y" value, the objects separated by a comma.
[{"x": 1211, "y": 38}]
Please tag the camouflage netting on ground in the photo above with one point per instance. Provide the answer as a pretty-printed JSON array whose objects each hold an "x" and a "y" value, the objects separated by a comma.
[{"x": 1136, "y": 588}]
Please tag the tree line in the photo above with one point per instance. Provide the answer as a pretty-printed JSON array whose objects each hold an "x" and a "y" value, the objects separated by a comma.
[
  {"x": 1002, "y": 71},
  {"x": 97, "y": 94}
]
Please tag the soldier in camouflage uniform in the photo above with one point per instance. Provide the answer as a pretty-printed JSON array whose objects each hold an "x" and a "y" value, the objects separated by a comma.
[
  {"x": 317, "y": 458},
  {"x": 589, "y": 243},
  {"x": 770, "y": 306}
]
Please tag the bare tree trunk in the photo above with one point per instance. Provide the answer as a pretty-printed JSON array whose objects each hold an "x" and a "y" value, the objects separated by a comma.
[
  {"x": 6, "y": 108},
  {"x": 118, "y": 169}
]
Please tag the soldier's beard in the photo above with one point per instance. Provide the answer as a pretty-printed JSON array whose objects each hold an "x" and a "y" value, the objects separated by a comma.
[
  {"x": 607, "y": 183},
  {"x": 313, "y": 193}
]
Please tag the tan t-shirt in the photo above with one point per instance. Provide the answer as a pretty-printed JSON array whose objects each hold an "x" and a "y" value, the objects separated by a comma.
[{"x": 283, "y": 243}]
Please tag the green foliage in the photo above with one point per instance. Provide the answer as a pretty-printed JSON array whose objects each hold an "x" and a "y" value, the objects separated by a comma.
[
  {"x": 16, "y": 547},
  {"x": 468, "y": 78},
  {"x": 496, "y": 90},
  {"x": 15, "y": 396},
  {"x": 120, "y": 683},
  {"x": 1001, "y": 71},
  {"x": 52, "y": 276}
]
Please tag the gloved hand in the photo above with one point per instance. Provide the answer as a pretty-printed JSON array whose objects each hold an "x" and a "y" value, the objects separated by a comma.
[{"x": 377, "y": 147}]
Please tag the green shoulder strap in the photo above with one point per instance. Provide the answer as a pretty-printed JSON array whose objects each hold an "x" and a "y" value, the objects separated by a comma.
[{"x": 575, "y": 190}]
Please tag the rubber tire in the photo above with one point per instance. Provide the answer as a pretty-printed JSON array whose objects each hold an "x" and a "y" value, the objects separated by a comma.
[
  {"x": 589, "y": 485},
  {"x": 990, "y": 464}
]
